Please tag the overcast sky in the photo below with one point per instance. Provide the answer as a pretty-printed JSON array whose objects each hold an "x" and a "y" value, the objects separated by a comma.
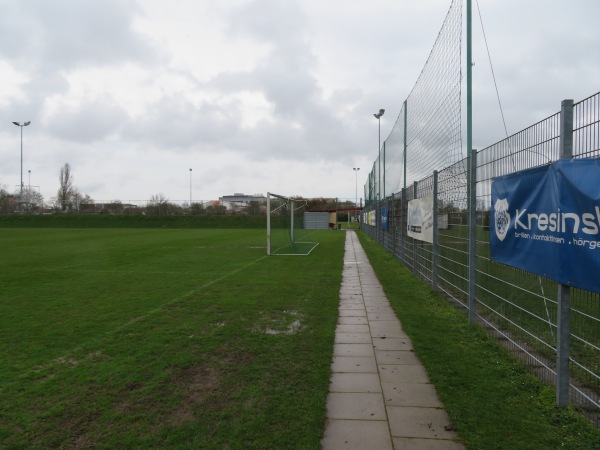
[{"x": 256, "y": 95}]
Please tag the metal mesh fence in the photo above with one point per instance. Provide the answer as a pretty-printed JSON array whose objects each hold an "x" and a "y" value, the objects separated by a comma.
[{"x": 519, "y": 308}]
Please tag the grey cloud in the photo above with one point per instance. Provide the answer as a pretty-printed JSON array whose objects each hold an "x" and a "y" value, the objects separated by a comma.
[
  {"x": 269, "y": 20},
  {"x": 91, "y": 122},
  {"x": 173, "y": 122},
  {"x": 63, "y": 34}
]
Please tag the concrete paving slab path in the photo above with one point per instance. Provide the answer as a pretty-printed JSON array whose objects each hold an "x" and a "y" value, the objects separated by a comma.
[{"x": 379, "y": 396}]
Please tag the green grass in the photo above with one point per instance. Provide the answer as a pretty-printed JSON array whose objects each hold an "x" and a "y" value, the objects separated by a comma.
[
  {"x": 131, "y": 221},
  {"x": 154, "y": 338},
  {"x": 493, "y": 401},
  {"x": 508, "y": 296}
]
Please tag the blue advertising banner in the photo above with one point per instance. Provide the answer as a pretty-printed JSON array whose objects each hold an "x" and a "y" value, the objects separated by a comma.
[
  {"x": 546, "y": 220},
  {"x": 385, "y": 219}
]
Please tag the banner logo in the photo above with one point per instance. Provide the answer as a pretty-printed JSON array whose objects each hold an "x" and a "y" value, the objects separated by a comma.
[{"x": 502, "y": 218}]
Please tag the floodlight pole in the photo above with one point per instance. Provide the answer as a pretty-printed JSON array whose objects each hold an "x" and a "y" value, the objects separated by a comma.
[{"x": 21, "y": 125}]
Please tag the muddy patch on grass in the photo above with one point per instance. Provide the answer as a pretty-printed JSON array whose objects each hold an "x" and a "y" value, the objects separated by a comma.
[
  {"x": 196, "y": 385},
  {"x": 198, "y": 382},
  {"x": 293, "y": 328},
  {"x": 285, "y": 322}
]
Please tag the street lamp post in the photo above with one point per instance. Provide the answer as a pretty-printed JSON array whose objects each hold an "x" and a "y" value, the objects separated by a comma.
[
  {"x": 356, "y": 169},
  {"x": 190, "y": 191},
  {"x": 21, "y": 125}
]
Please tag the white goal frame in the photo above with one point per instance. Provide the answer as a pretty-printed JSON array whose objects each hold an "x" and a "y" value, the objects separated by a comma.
[{"x": 292, "y": 209}]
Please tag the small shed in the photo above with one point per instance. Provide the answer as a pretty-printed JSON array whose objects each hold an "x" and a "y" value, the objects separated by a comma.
[{"x": 316, "y": 220}]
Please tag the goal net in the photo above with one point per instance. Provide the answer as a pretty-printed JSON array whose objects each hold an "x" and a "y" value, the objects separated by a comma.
[{"x": 286, "y": 234}]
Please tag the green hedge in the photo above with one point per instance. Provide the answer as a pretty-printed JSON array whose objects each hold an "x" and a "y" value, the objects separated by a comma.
[{"x": 129, "y": 221}]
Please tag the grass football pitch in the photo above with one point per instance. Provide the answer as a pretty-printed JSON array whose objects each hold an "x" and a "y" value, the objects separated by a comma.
[{"x": 153, "y": 338}]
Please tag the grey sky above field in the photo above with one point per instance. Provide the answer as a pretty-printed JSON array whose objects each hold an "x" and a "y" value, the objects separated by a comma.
[{"x": 256, "y": 95}]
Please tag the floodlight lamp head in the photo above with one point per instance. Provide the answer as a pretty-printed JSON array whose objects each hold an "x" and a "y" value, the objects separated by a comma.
[{"x": 378, "y": 115}]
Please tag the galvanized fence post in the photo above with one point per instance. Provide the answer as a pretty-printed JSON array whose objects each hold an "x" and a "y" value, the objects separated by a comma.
[
  {"x": 472, "y": 244},
  {"x": 434, "y": 249},
  {"x": 415, "y": 265},
  {"x": 378, "y": 221},
  {"x": 392, "y": 224},
  {"x": 402, "y": 228},
  {"x": 564, "y": 291}
]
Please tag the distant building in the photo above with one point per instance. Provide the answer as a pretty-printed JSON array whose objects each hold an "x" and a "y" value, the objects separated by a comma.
[{"x": 240, "y": 202}]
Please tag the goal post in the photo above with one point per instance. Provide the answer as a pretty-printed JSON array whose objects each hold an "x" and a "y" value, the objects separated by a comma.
[{"x": 286, "y": 234}]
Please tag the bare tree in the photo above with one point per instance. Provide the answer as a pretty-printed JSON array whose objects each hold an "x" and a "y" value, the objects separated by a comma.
[
  {"x": 33, "y": 199},
  {"x": 158, "y": 204},
  {"x": 8, "y": 202},
  {"x": 197, "y": 208},
  {"x": 66, "y": 192},
  {"x": 253, "y": 208}
]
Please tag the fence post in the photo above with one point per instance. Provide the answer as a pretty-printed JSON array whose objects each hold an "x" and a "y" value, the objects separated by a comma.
[
  {"x": 472, "y": 222},
  {"x": 434, "y": 250},
  {"x": 402, "y": 230},
  {"x": 376, "y": 212},
  {"x": 405, "y": 133},
  {"x": 564, "y": 291},
  {"x": 384, "y": 196},
  {"x": 392, "y": 224},
  {"x": 415, "y": 266}
]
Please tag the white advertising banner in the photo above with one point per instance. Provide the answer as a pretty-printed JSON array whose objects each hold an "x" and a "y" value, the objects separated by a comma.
[{"x": 420, "y": 219}]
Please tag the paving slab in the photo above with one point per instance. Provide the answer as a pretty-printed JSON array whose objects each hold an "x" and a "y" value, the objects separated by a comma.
[
  {"x": 356, "y": 406},
  {"x": 413, "y": 421},
  {"x": 353, "y": 338},
  {"x": 355, "y": 382},
  {"x": 396, "y": 357},
  {"x": 351, "y": 320},
  {"x": 354, "y": 364},
  {"x": 423, "y": 444},
  {"x": 387, "y": 328},
  {"x": 352, "y": 313},
  {"x": 357, "y": 434},
  {"x": 352, "y": 305},
  {"x": 380, "y": 396},
  {"x": 392, "y": 343},
  {"x": 402, "y": 373},
  {"x": 353, "y": 350},
  {"x": 410, "y": 394},
  {"x": 342, "y": 328}
]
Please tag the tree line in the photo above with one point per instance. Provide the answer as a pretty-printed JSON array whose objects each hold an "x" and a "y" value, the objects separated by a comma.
[{"x": 69, "y": 199}]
